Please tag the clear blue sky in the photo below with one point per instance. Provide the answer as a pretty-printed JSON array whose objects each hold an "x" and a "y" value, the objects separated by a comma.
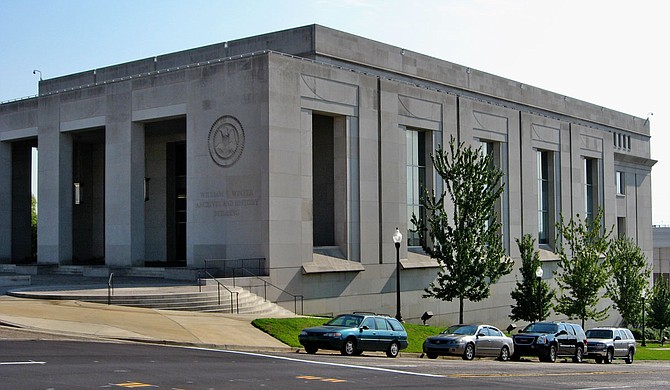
[{"x": 611, "y": 53}]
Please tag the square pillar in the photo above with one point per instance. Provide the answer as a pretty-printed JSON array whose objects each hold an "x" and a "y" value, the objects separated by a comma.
[
  {"x": 6, "y": 205},
  {"x": 124, "y": 188}
]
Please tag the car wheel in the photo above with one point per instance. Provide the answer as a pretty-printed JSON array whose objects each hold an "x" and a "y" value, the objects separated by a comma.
[
  {"x": 579, "y": 355},
  {"x": 609, "y": 356},
  {"x": 393, "y": 350},
  {"x": 599, "y": 360},
  {"x": 551, "y": 355},
  {"x": 349, "y": 347},
  {"x": 431, "y": 355},
  {"x": 504, "y": 353},
  {"x": 469, "y": 352},
  {"x": 310, "y": 349},
  {"x": 629, "y": 357}
]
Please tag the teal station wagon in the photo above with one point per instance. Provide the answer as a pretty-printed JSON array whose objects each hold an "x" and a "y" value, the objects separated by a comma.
[{"x": 351, "y": 334}]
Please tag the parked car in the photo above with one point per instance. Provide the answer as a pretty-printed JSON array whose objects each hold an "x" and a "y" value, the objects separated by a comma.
[
  {"x": 549, "y": 340},
  {"x": 470, "y": 341},
  {"x": 351, "y": 334},
  {"x": 607, "y": 343}
]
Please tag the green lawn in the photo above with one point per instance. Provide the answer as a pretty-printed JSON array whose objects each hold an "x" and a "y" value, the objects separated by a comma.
[{"x": 286, "y": 330}]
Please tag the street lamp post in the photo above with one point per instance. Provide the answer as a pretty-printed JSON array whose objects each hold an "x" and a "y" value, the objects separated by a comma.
[
  {"x": 644, "y": 336},
  {"x": 397, "y": 238},
  {"x": 538, "y": 274}
]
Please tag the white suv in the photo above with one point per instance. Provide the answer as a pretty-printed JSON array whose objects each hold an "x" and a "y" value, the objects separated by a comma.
[{"x": 607, "y": 343}]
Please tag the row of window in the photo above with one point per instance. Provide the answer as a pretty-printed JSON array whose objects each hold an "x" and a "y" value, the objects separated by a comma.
[{"x": 547, "y": 171}]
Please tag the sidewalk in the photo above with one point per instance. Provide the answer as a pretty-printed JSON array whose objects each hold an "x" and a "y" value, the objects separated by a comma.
[{"x": 230, "y": 331}]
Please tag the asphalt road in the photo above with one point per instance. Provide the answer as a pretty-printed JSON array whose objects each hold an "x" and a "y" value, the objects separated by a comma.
[{"x": 37, "y": 361}]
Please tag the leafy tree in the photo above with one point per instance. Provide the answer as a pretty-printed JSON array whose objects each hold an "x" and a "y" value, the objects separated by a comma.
[
  {"x": 583, "y": 273},
  {"x": 629, "y": 272},
  {"x": 533, "y": 297},
  {"x": 658, "y": 306},
  {"x": 467, "y": 246}
]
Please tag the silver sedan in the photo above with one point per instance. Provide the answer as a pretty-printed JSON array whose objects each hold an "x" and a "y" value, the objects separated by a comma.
[{"x": 470, "y": 341}]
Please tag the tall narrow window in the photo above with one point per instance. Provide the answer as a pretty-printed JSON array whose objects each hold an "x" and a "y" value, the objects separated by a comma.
[
  {"x": 416, "y": 179},
  {"x": 590, "y": 187},
  {"x": 543, "y": 197},
  {"x": 620, "y": 183}
]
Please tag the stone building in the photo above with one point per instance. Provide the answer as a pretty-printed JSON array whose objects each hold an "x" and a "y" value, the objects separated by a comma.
[{"x": 296, "y": 154}]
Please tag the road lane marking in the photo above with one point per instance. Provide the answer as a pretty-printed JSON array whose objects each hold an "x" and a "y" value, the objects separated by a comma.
[
  {"x": 319, "y": 378},
  {"x": 133, "y": 385},
  {"x": 320, "y": 363},
  {"x": 21, "y": 363}
]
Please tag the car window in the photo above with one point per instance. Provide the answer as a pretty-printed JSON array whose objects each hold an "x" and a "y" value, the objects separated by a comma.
[
  {"x": 617, "y": 333},
  {"x": 561, "y": 327},
  {"x": 495, "y": 332},
  {"x": 541, "y": 328},
  {"x": 345, "y": 320},
  {"x": 461, "y": 329},
  {"x": 571, "y": 330},
  {"x": 629, "y": 334},
  {"x": 381, "y": 324},
  {"x": 599, "y": 334},
  {"x": 369, "y": 322},
  {"x": 395, "y": 324}
]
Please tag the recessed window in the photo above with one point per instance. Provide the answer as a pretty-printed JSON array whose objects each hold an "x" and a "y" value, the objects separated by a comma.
[
  {"x": 416, "y": 179},
  {"x": 620, "y": 183}
]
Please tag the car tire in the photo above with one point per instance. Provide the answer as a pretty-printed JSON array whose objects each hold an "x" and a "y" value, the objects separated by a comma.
[
  {"x": 599, "y": 359},
  {"x": 349, "y": 347},
  {"x": 550, "y": 356},
  {"x": 609, "y": 355},
  {"x": 579, "y": 355},
  {"x": 431, "y": 355},
  {"x": 630, "y": 356},
  {"x": 393, "y": 350},
  {"x": 311, "y": 349},
  {"x": 504, "y": 354},
  {"x": 469, "y": 352}
]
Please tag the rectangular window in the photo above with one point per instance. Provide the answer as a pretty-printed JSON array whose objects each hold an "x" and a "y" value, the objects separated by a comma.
[
  {"x": 590, "y": 187},
  {"x": 416, "y": 180},
  {"x": 621, "y": 226},
  {"x": 543, "y": 196},
  {"x": 620, "y": 183}
]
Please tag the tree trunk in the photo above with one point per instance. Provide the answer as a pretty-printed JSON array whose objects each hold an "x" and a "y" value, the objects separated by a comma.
[{"x": 460, "y": 311}]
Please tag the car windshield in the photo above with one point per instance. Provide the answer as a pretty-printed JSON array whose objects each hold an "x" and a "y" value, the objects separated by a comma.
[
  {"x": 461, "y": 329},
  {"x": 541, "y": 328},
  {"x": 599, "y": 334},
  {"x": 347, "y": 320}
]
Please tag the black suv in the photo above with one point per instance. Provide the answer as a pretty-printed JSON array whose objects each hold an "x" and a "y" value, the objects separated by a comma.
[{"x": 549, "y": 340}]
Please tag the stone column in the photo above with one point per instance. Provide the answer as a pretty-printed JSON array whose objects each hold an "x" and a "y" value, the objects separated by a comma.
[
  {"x": 6, "y": 205},
  {"x": 54, "y": 230},
  {"x": 124, "y": 183}
]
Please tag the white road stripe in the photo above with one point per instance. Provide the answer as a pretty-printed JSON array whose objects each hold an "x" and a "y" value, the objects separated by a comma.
[
  {"x": 323, "y": 363},
  {"x": 20, "y": 363}
]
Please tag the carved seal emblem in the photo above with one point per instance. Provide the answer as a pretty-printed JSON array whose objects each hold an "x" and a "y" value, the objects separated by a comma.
[{"x": 226, "y": 141}]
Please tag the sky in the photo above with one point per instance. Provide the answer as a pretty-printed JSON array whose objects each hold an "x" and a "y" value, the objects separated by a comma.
[{"x": 611, "y": 53}]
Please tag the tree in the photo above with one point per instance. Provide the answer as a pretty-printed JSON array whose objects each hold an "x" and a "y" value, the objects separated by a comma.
[
  {"x": 468, "y": 247},
  {"x": 658, "y": 306},
  {"x": 629, "y": 275},
  {"x": 533, "y": 297},
  {"x": 583, "y": 273}
]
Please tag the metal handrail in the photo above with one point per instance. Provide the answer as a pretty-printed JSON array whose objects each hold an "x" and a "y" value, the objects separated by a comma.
[
  {"x": 265, "y": 291},
  {"x": 110, "y": 288},
  {"x": 234, "y": 305}
]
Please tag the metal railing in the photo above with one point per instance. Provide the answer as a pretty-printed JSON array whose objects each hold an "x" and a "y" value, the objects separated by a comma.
[
  {"x": 110, "y": 288},
  {"x": 234, "y": 304},
  {"x": 296, "y": 298},
  {"x": 225, "y": 268}
]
